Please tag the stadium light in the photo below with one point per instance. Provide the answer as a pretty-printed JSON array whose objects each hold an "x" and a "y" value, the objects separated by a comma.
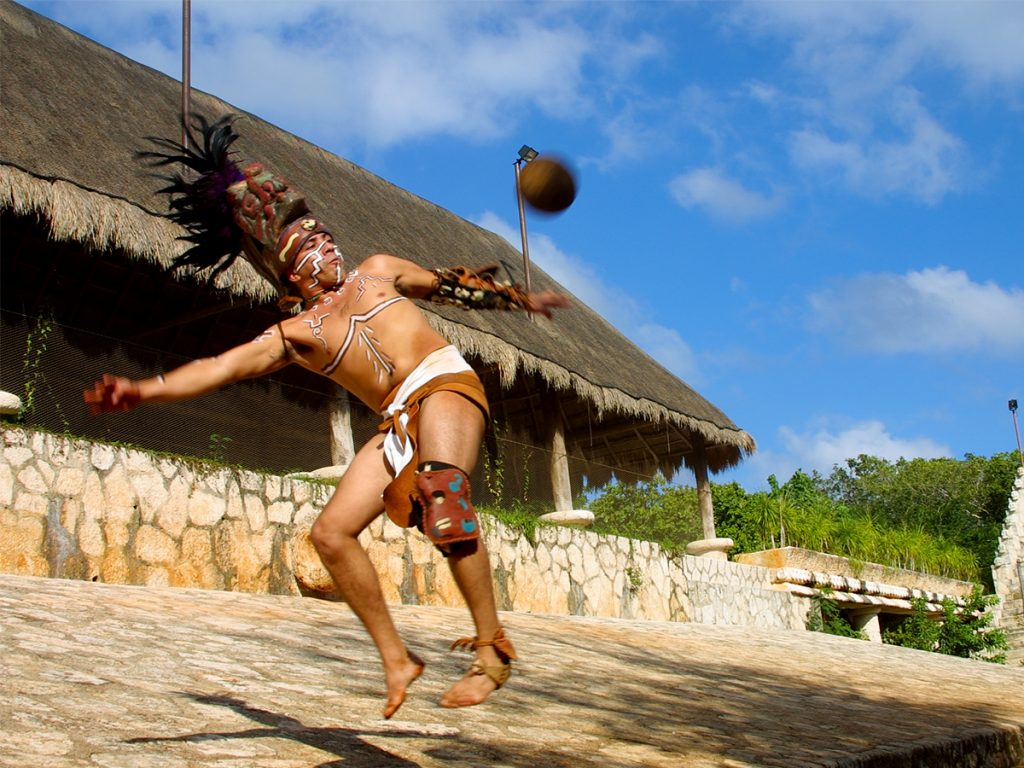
[
  {"x": 1016, "y": 430},
  {"x": 526, "y": 154}
]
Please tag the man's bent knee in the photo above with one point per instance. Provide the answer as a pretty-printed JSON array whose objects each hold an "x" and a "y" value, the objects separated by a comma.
[{"x": 329, "y": 540}]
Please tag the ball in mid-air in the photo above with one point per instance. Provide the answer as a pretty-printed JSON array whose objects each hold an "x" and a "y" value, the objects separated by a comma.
[{"x": 547, "y": 184}]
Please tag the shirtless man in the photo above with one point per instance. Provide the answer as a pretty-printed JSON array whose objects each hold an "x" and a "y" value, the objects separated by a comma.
[{"x": 360, "y": 329}]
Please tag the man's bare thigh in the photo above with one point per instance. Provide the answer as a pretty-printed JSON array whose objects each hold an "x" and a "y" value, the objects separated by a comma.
[
  {"x": 357, "y": 499},
  {"x": 450, "y": 430}
]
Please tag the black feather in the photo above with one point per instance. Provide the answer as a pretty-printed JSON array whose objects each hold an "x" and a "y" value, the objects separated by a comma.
[{"x": 199, "y": 199}]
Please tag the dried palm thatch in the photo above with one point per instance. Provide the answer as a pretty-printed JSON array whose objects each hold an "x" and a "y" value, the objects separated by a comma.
[
  {"x": 74, "y": 113},
  {"x": 104, "y": 223}
]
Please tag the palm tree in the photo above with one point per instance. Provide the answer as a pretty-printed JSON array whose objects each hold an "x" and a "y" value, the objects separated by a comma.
[{"x": 814, "y": 526}]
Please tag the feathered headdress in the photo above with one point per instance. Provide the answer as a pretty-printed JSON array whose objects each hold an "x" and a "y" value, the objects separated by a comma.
[{"x": 226, "y": 210}]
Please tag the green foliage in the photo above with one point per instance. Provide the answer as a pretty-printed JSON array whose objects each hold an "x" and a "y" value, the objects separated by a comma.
[
  {"x": 218, "y": 448},
  {"x": 519, "y": 516},
  {"x": 958, "y": 504},
  {"x": 494, "y": 474},
  {"x": 801, "y": 513},
  {"x": 501, "y": 478},
  {"x": 826, "y": 617},
  {"x": 967, "y": 632},
  {"x": 35, "y": 377},
  {"x": 635, "y": 577},
  {"x": 869, "y": 511},
  {"x": 653, "y": 511},
  {"x": 917, "y": 631},
  {"x": 731, "y": 520}
]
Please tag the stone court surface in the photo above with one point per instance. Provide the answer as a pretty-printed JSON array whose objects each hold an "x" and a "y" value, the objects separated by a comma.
[{"x": 139, "y": 677}]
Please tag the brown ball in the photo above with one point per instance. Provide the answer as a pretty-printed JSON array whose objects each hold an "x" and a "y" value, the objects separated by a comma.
[{"x": 547, "y": 184}]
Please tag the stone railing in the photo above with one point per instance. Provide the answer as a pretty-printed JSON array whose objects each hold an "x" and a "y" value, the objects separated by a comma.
[
  {"x": 1008, "y": 572},
  {"x": 75, "y": 509},
  {"x": 850, "y": 591},
  {"x": 866, "y": 573},
  {"x": 864, "y": 591}
]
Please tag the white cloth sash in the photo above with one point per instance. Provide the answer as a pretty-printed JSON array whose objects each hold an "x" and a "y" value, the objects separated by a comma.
[{"x": 398, "y": 449}]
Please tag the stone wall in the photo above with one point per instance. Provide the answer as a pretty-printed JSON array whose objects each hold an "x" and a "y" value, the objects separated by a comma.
[
  {"x": 83, "y": 510},
  {"x": 1007, "y": 572},
  {"x": 843, "y": 571}
]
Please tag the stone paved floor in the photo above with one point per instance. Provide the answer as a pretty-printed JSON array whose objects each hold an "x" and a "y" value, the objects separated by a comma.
[{"x": 134, "y": 677}]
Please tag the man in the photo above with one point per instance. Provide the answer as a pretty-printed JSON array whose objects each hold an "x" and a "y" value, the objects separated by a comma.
[{"x": 359, "y": 329}]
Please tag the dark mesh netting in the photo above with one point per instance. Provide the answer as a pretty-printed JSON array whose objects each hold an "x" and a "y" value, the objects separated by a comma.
[{"x": 69, "y": 314}]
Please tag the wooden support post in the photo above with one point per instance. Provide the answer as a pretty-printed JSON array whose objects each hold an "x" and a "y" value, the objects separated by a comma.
[
  {"x": 704, "y": 503},
  {"x": 561, "y": 485},
  {"x": 342, "y": 444}
]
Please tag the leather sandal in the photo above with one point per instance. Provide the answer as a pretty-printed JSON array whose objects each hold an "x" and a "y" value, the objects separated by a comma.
[{"x": 499, "y": 673}]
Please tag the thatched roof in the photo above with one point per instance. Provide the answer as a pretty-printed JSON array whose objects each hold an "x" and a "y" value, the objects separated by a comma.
[{"x": 73, "y": 112}]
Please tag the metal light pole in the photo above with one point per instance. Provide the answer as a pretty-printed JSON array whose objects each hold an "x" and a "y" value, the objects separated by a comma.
[
  {"x": 1016, "y": 430},
  {"x": 526, "y": 154},
  {"x": 186, "y": 67}
]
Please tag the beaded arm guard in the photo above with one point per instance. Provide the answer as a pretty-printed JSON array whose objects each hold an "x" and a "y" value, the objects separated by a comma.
[{"x": 476, "y": 289}]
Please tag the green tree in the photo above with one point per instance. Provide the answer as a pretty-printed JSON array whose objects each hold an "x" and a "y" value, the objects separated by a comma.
[
  {"x": 815, "y": 526},
  {"x": 966, "y": 632},
  {"x": 733, "y": 517},
  {"x": 826, "y": 617},
  {"x": 653, "y": 510},
  {"x": 939, "y": 516},
  {"x": 917, "y": 631},
  {"x": 960, "y": 501}
]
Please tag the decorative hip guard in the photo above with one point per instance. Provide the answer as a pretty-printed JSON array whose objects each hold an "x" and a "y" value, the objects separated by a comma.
[{"x": 448, "y": 514}]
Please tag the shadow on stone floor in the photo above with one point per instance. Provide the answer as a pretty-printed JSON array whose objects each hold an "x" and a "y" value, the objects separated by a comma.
[
  {"x": 849, "y": 702},
  {"x": 109, "y": 669},
  {"x": 670, "y": 706},
  {"x": 736, "y": 714},
  {"x": 346, "y": 743}
]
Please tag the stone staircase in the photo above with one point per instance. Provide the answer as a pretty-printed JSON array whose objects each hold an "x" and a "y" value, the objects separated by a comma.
[
  {"x": 1012, "y": 623},
  {"x": 1008, "y": 573}
]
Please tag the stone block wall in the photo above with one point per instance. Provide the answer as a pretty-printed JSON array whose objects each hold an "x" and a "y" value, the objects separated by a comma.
[
  {"x": 846, "y": 573},
  {"x": 1007, "y": 572},
  {"x": 83, "y": 510}
]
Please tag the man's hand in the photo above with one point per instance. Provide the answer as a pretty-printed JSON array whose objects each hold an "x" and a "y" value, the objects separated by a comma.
[
  {"x": 112, "y": 393},
  {"x": 542, "y": 302}
]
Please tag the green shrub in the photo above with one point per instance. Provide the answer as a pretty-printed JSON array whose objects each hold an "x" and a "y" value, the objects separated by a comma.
[
  {"x": 966, "y": 632},
  {"x": 826, "y": 617}
]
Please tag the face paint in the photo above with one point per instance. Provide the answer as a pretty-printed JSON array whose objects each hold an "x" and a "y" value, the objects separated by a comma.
[{"x": 316, "y": 257}]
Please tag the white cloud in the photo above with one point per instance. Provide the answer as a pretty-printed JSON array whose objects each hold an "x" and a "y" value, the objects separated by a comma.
[
  {"x": 662, "y": 343},
  {"x": 384, "y": 73},
  {"x": 820, "y": 449},
  {"x": 927, "y": 163},
  {"x": 927, "y": 311},
  {"x": 377, "y": 73},
  {"x": 722, "y": 197},
  {"x": 981, "y": 38},
  {"x": 862, "y": 67}
]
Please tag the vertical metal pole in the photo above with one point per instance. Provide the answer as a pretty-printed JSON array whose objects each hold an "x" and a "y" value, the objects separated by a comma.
[
  {"x": 186, "y": 67},
  {"x": 1016, "y": 430},
  {"x": 522, "y": 226}
]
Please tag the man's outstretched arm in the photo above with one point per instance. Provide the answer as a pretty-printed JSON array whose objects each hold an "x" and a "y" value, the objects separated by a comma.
[
  {"x": 470, "y": 289},
  {"x": 264, "y": 355}
]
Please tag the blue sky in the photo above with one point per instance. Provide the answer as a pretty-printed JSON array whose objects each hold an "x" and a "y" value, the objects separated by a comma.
[{"x": 813, "y": 213}]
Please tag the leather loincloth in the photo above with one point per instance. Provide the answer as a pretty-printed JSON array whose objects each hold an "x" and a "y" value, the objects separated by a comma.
[{"x": 401, "y": 427}]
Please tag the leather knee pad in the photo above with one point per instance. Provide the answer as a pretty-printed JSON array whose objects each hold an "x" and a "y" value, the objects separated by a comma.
[{"x": 448, "y": 513}]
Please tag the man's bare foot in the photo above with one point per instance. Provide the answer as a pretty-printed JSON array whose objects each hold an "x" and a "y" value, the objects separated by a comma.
[
  {"x": 399, "y": 681},
  {"x": 472, "y": 689}
]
